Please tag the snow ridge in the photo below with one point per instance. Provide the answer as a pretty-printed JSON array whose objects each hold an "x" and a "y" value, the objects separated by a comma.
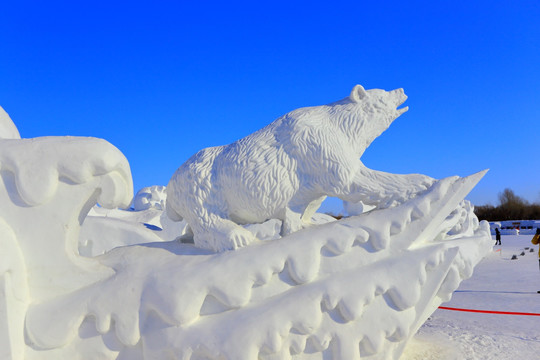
[{"x": 215, "y": 300}]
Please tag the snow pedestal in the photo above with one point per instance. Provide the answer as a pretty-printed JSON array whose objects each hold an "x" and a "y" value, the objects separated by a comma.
[
  {"x": 356, "y": 288},
  {"x": 350, "y": 289}
]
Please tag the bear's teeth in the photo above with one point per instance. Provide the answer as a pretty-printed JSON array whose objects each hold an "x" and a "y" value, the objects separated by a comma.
[{"x": 403, "y": 110}]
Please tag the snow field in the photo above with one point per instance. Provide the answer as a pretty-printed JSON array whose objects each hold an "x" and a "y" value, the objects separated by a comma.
[{"x": 498, "y": 284}]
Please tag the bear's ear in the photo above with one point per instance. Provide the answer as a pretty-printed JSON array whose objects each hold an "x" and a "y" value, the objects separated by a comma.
[{"x": 358, "y": 93}]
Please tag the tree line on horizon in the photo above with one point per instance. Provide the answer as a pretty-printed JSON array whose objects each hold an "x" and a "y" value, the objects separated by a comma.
[{"x": 511, "y": 207}]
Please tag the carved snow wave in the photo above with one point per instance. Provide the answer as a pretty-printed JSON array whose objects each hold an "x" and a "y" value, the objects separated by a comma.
[
  {"x": 356, "y": 288},
  {"x": 37, "y": 166},
  {"x": 47, "y": 186}
]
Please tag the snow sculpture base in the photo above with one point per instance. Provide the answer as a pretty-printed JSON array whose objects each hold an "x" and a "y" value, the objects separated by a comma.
[
  {"x": 357, "y": 288},
  {"x": 350, "y": 289}
]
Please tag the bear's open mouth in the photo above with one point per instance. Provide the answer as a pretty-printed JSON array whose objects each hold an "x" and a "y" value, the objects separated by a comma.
[{"x": 401, "y": 101}]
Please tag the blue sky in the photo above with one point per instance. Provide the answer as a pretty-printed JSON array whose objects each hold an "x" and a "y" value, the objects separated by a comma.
[{"x": 163, "y": 80}]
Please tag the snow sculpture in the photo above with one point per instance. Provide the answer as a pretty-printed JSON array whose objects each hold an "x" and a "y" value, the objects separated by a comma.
[
  {"x": 104, "y": 229},
  {"x": 355, "y": 288},
  {"x": 287, "y": 169},
  {"x": 47, "y": 186},
  {"x": 150, "y": 197},
  {"x": 8, "y": 130}
]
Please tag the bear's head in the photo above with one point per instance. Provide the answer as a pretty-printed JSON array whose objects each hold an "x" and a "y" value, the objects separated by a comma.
[{"x": 365, "y": 114}]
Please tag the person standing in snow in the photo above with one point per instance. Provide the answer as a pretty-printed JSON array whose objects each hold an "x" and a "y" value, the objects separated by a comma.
[
  {"x": 497, "y": 236},
  {"x": 535, "y": 240}
]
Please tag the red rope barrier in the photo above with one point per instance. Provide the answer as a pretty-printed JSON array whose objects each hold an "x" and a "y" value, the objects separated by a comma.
[{"x": 489, "y": 311}]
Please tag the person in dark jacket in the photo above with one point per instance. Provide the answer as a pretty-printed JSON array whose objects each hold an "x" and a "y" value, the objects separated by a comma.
[
  {"x": 497, "y": 236},
  {"x": 535, "y": 240}
]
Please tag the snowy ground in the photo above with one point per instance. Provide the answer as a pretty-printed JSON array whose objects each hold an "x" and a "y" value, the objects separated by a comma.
[{"x": 498, "y": 284}]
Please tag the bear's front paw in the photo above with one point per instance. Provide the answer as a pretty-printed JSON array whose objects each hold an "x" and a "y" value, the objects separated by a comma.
[
  {"x": 241, "y": 237},
  {"x": 232, "y": 239}
]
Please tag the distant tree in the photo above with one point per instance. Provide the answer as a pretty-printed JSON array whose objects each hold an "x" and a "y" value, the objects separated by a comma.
[
  {"x": 508, "y": 198},
  {"x": 511, "y": 207},
  {"x": 534, "y": 212}
]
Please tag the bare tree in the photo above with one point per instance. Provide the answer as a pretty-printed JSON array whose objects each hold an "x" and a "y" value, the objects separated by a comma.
[
  {"x": 508, "y": 198},
  {"x": 511, "y": 207}
]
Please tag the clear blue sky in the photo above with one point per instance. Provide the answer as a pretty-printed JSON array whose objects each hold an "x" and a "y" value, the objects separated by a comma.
[{"x": 162, "y": 80}]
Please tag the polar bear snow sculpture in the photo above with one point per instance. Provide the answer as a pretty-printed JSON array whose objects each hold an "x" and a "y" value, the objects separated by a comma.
[{"x": 287, "y": 169}]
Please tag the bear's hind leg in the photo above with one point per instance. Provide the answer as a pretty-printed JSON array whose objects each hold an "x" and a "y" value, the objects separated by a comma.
[{"x": 311, "y": 209}]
